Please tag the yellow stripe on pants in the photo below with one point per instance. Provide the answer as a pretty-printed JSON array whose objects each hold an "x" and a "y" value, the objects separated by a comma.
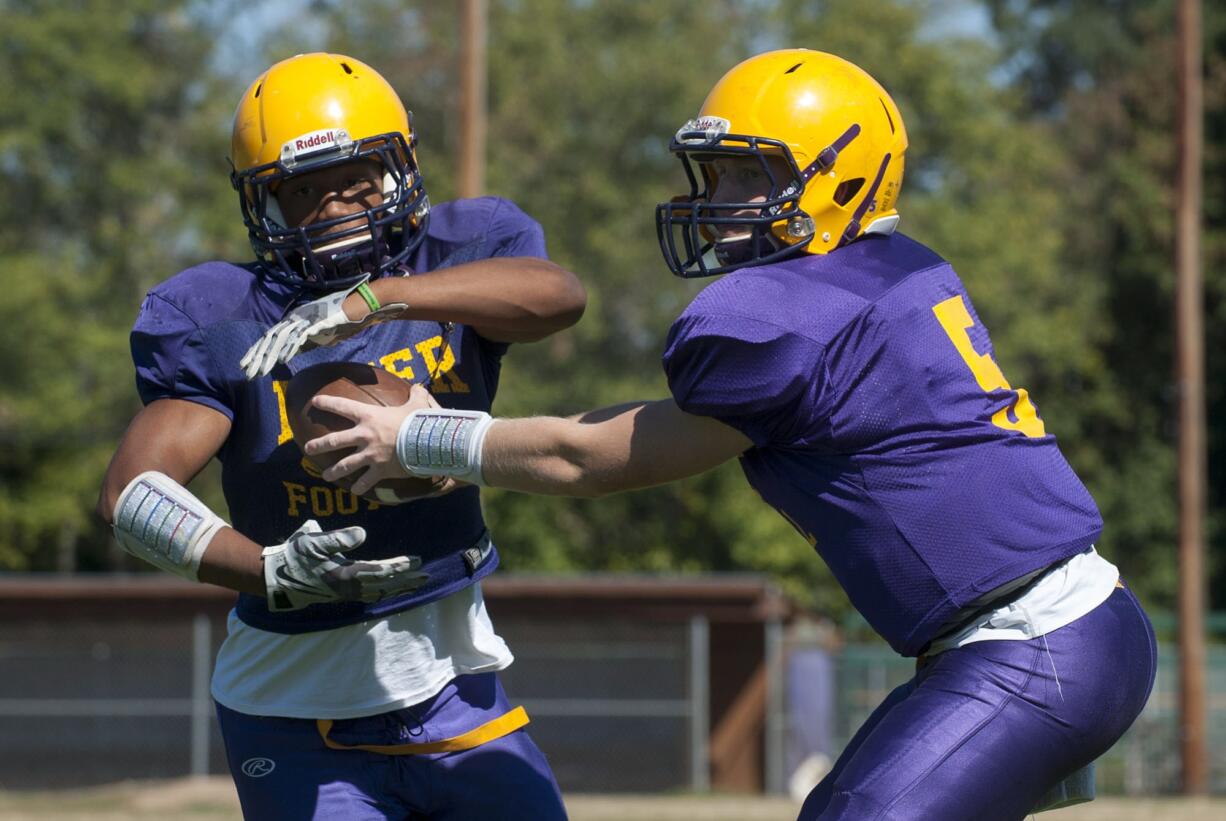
[{"x": 496, "y": 728}]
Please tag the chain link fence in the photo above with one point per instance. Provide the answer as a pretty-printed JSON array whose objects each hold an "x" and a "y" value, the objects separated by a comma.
[{"x": 623, "y": 697}]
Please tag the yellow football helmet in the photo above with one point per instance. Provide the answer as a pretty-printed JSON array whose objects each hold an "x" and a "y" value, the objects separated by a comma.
[
  {"x": 313, "y": 111},
  {"x": 842, "y": 140}
]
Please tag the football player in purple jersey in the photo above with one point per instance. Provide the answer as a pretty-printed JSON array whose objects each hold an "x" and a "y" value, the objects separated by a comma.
[
  {"x": 358, "y": 677},
  {"x": 843, "y": 364}
]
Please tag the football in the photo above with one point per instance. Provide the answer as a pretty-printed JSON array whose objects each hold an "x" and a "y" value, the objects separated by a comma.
[{"x": 361, "y": 383}]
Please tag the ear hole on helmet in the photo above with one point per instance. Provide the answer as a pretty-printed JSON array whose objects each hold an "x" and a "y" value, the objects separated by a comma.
[
  {"x": 888, "y": 118},
  {"x": 848, "y": 189}
]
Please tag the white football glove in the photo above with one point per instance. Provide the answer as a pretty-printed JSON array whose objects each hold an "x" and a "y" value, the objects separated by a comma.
[
  {"x": 314, "y": 325},
  {"x": 309, "y": 567}
]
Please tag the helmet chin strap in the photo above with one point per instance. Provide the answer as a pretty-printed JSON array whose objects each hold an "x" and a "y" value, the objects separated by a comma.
[
  {"x": 341, "y": 244},
  {"x": 869, "y": 201},
  {"x": 352, "y": 256},
  {"x": 346, "y": 257},
  {"x": 744, "y": 248}
]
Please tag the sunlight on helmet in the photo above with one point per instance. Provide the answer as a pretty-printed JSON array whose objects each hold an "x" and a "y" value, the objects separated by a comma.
[
  {"x": 312, "y": 112},
  {"x": 830, "y": 141}
]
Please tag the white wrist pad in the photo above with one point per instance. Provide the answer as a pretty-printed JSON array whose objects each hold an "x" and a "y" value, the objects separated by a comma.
[
  {"x": 160, "y": 521},
  {"x": 443, "y": 442}
]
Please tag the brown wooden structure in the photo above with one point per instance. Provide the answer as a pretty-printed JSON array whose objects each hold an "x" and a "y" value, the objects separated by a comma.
[{"x": 739, "y": 614}]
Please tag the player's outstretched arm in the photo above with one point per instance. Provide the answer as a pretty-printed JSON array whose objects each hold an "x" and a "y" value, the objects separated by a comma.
[
  {"x": 157, "y": 519},
  {"x": 624, "y": 447}
]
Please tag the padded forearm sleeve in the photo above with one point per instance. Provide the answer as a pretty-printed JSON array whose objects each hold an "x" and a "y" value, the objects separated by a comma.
[{"x": 160, "y": 521}]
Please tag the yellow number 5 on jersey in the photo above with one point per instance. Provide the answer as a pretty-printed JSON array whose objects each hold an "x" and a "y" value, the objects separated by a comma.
[{"x": 955, "y": 319}]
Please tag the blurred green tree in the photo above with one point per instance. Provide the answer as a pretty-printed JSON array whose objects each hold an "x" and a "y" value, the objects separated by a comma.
[
  {"x": 103, "y": 134},
  {"x": 1103, "y": 81},
  {"x": 1040, "y": 165}
]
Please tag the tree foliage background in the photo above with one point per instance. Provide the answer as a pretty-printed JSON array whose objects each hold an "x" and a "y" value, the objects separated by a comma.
[{"x": 1041, "y": 164}]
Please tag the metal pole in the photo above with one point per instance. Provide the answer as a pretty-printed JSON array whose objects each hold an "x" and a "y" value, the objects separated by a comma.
[
  {"x": 775, "y": 735},
  {"x": 700, "y": 703},
  {"x": 1190, "y": 369},
  {"x": 470, "y": 177},
  {"x": 202, "y": 706}
]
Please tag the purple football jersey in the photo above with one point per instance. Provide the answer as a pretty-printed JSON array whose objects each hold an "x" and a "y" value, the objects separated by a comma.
[
  {"x": 188, "y": 339},
  {"x": 882, "y": 428}
]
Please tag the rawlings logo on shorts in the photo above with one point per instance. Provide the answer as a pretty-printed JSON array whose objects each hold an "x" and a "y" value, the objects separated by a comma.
[{"x": 258, "y": 767}]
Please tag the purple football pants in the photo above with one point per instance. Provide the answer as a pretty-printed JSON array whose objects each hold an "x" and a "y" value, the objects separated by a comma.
[
  {"x": 284, "y": 772},
  {"x": 982, "y": 731}
]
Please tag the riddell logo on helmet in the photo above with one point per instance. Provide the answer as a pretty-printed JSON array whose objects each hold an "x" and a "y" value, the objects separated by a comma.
[
  {"x": 710, "y": 123},
  {"x": 312, "y": 142},
  {"x": 703, "y": 129},
  {"x": 319, "y": 138}
]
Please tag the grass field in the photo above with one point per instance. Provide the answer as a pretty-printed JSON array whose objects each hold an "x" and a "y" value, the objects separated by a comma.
[{"x": 213, "y": 799}]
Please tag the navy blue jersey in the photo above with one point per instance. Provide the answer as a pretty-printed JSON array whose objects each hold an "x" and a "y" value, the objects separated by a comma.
[
  {"x": 883, "y": 429},
  {"x": 187, "y": 342}
]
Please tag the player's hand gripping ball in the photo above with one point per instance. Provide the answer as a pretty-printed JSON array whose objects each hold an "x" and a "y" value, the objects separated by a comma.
[{"x": 361, "y": 383}]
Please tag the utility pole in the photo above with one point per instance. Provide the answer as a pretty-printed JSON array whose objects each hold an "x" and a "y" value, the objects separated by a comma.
[
  {"x": 470, "y": 176},
  {"x": 1190, "y": 375}
]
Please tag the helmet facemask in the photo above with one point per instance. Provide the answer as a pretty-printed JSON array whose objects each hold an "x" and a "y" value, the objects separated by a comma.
[
  {"x": 843, "y": 140},
  {"x": 775, "y": 228},
  {"x": 317, "y": 256}
]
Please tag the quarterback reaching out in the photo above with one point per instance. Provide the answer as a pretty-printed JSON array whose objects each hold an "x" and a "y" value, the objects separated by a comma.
[{"x": 844, "y": 365}]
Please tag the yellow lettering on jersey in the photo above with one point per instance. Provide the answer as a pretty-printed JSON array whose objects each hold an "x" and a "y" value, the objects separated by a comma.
[
  {"x": 441, "y": 370},
  {"x": 956, "y": 321},
  {"x": 403, "y": 355},
  {"x": 285, "y": 434},
  {"x": 323, "y": 500},
  {"x": 297, "y": 495},
  {"x": 346, "y": 502}
]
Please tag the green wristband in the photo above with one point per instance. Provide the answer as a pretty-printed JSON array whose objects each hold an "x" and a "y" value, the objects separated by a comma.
[{"x": 371, "y": 301}]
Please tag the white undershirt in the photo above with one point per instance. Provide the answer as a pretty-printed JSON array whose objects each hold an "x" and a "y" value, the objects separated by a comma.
[
  {"x": 359, "y": 670},
  {"x": 1062, "y": 595}
]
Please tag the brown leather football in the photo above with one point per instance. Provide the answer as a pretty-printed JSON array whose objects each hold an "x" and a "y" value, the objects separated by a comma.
[{"x": 361, "y": 383}]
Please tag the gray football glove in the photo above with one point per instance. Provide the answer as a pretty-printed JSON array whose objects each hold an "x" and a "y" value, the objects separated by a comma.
[
  {"x": 309, "y": 567},
  {"x": 316, "y": 324}
]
